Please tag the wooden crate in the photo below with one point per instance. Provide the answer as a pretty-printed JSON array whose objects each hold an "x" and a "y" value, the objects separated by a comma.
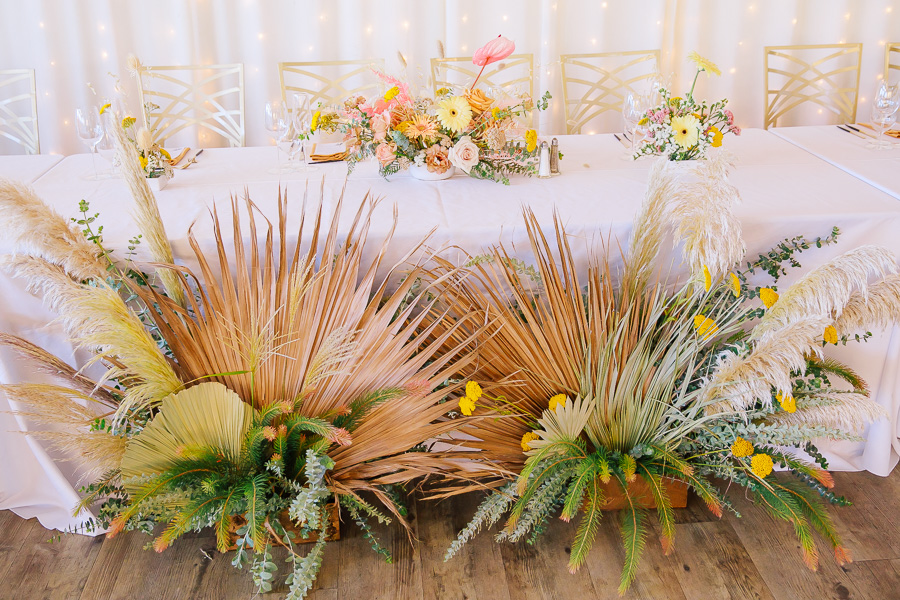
[
  {"x": 333, "y": 532},
  {"x": 641, "y": 495}
]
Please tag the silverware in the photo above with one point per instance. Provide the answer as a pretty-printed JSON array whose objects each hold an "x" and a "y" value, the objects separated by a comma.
[
  {"x": 867, "y": 133},
  {"x": 621, "y": 141},
  {"x": 859, "y": 135},
  {"x": 191, "y": 160}
]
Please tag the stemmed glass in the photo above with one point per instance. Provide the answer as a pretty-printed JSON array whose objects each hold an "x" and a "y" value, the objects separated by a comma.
[
  {"x": 884, "y": 113},
  {"x": 633, "y": 110},
  {"x": 90, "y": 131},
  {"x": 301, "y": 120},
  {"x": 278, "y": 125}
]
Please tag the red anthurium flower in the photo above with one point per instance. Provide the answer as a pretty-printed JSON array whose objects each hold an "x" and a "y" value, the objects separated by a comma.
[{"x": 496, "y": 49}]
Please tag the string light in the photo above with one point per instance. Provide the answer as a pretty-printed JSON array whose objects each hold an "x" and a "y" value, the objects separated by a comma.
[
  {"x": 505, "y": 18},
  {"x": 603, "y": 5},
  {"x": 261, "y": 36},
  {"x": 732, "y": 70},
  {"x": 101, "y": 27},
  {"x": 794, "y": 22},
  {"x": 465, "y": 18},
  {"x": 41, "y": 24}
]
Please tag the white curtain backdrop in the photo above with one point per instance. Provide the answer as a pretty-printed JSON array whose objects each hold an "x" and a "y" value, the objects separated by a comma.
[{"x": 71, "y": 44}]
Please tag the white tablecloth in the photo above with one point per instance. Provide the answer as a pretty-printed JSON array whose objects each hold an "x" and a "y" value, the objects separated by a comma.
[
  {"x": 786, "y": 192},
  {"x": 27, "y": 167},
  {"x": 880, "y": 168}
]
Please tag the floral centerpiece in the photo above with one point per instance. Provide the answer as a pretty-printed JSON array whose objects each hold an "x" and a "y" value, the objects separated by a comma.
[
  {"x": 260, "y": 403},
  {"x": 155, "y": 160},
  {"x": 470, "y": 130},
  {"x": 623, "y": 386},
  {"x": 683, "y": 128}
]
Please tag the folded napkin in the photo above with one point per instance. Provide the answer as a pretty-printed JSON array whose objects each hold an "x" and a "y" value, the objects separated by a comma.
[
  {"x": 177, "y": 155},
  {"x": 894, "y": 133},
  {"x": 328, "y": 152}
]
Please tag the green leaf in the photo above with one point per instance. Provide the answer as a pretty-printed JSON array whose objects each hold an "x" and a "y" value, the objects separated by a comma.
[
  {"x": 664, "y": 511},
  {"x": 584, "y": 473},
  {"x": 587, "y": 528},
  {"x": 633, "y": 534}
]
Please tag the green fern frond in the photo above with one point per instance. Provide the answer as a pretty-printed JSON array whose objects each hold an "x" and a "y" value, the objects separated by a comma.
[
  {"x": 184, "y": 520},
  {"x": 223, "y": 534},
  {"x": 587, "y": 528},
  {"x": 842, "y": 371},
  {"x": 362, "y": 406},
  {"x": 782, "y": 504},
  {"x": 253, "y": 491},
  {"x": 813, "y": 509},
  {"x": 584, "y": 474},
  {"x": 701, "y": 486},
  {"x": 633, "y": 536},
  {"x": 673, "y": 460},
  {"x": 628, "y": 466},
  {"x": 664, "y": 511}
]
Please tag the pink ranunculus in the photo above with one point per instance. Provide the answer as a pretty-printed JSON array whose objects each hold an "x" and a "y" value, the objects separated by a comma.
[
  {"x": 385, "y": 154},
  {"x": 380, "y": 125},
  {"x": 735, "y": 130},
  {"x": 496, "y": 49}
]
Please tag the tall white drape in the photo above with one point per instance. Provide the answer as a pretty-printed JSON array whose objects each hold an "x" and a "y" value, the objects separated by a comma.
[{"x": 74, "y": 45}]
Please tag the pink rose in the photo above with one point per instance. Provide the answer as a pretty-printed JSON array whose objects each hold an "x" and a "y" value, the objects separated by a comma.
[
  {"x": 380, "y": 125},
  {"x": 464, "y": 154},
  {"x": 385, "y": 153}
]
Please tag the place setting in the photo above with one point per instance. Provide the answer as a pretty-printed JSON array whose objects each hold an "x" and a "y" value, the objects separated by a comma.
[{"x": 465, "y": 301}]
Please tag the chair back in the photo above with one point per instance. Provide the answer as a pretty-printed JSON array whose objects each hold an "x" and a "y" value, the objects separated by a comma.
[
  {"x": 18, "y": 112},
  {"x": 329, "y": 83},
  {"x": 892, "y": 63}
]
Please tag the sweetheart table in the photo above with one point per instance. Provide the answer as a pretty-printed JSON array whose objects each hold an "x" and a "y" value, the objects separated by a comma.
[
  {"x": 786, "y": 191},
  {"x": 27, "y": 167}
]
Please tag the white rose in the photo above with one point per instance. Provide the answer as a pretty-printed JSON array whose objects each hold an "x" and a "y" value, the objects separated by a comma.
[
  {"x": 144, "y": 139},
  {"x": 464, "y": 154}
]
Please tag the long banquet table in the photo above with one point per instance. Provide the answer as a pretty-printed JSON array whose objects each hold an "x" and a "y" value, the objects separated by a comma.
[
  {"x": 27, "y": 167},
  {"x": 786, "y": 191}
]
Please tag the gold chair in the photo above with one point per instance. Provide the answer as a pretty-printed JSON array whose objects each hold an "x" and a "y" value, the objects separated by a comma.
[
  {"x": 205, "y": 97},
  {"x": 892, "y": 62},
  {"x": 513, "y": 75},
  {"x": 18, "y": 109},
  {"x": 329, "y": 83},
  {"x": 594, "y": 84},
  {"x": 825, "y": 75}
]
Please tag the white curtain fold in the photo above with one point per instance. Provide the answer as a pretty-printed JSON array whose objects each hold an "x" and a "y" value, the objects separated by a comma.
[{"x": 73, "y": 44}]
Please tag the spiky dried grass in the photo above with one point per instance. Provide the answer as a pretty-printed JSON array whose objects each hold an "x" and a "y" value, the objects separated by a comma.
[
  {"x": 826, "y": 290},
  {"x": 650, "y": 226},
  {"x": 35, "y": 228},
  {"x": 878, "y": 305},
  {"x": 146, "y": 212},
  {"x": 847, "y": 411},
  {"x": 54, "y": 404},
  {"x": 705, "y": 220},
  {"x": 97, "y": 452}
]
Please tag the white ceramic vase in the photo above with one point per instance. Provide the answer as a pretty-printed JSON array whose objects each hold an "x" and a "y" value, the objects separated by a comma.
[
  {"x": 424, "y": 174},
  {"x": 158, "y": 183}
]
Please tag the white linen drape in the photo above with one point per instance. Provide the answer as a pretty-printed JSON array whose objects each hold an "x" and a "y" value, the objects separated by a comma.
[{"x": 71, "y": 44}]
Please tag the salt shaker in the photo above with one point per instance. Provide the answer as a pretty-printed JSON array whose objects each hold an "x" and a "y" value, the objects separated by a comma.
[
  {"x": 544, "y": 165},
  {"x": 554, "y": 157}
]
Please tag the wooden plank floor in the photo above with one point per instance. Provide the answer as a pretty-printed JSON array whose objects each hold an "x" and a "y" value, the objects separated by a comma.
[{"x": 731, "y": 558}]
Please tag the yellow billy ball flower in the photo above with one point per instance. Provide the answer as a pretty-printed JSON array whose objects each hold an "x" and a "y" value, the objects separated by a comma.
[
  {"x": 466, "y": 406},
  {"x": 530, "y": 140},
  {"x": 528, "y": 437},
  {"x": 787, "y": 402},
  {"x": 495, "y": 112},
  {"x": 830, "y": 335},
  {"x": 707, "y": 278},
  {"x": 643, "y": 121},
  {"x": 391, "y": 93},
  {"x": 128, "y": 122},
  {"x": 557, "y": 400},
  {"x": 741, "y": 448},
  {"x": 768, "y": 296},
  {"x": 717, "y": 136},
  {"x": 761, "y": 465},
  {"x": 105, "y": 107},
  {"x": 705, "y": 326},
  {"x": 473, "y": 391},
  {"x": 735, "y": 284}
]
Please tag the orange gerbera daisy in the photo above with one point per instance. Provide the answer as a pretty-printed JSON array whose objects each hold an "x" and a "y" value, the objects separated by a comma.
[{"x": 421, "y": 127}]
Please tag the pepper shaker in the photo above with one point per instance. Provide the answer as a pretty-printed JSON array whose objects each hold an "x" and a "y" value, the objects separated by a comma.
[
  {"x": 544, "y": 165},
  {"x": 554, "y": 157}
]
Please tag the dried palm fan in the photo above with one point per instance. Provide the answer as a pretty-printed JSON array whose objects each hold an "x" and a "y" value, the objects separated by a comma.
[{"x": 617, "y": 381}]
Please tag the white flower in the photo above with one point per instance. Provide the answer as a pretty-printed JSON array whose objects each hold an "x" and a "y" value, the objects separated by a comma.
[
  {"x": 419, "y": 159},
  {"x": 144, "y": 139},
  {"x": 464, "y": 154}
]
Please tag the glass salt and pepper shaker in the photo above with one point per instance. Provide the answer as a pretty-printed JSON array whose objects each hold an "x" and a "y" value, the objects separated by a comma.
[
  {"x": 544, "y": 165},
  {"x": 554, "y": 157}
]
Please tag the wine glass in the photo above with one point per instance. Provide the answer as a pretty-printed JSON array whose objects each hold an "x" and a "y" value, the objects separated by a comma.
[
  {"x": 278, "y": 126},
  {"x": 884, "y": 113},
  {"x": 301, "y": 121},
  {"x": 633, "y": 109},
  {"x": 89, "y": 127}
]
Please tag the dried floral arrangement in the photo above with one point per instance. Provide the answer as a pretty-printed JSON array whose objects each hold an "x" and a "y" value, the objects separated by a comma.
[
  {"x": 478, "y": 132},
  {"x": 259, "y": 395},
  {"x": 625, "y": 385}
]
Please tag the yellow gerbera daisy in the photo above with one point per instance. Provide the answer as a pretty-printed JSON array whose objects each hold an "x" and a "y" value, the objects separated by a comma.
[
  {"x": 454, "y": 113},
  {"x": 530, "y": 140},
  {"x": 735, "y": 285},
  {"x": 741, "y": 448},
  {"x": 557, "y": 400},
  {"x": 473, "y": 391},
  {"x": 707, "y": 278},
  {"x": 686, "y": 130},
  {"x": 528, "y": 437},
  {"x": 705, "y": 326},
  {"x": 768, "y": 296},
  {"x": 830, "y": 335},
  {"x": 704, "y": 64},
  {"x": 788, "y": 404},
  {"x": 761, "y": 465}
]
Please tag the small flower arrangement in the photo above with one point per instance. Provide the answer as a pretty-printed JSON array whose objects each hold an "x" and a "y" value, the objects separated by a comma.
[
  {"x": 478, "y": 133},
  {"x": 155, "y": 160},
  {"x": 683, "y": 128}
]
